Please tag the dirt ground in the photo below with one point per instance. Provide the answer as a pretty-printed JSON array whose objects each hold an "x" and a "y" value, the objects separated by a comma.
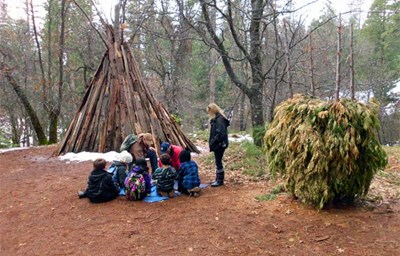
[{"x": 40, "y": 214}]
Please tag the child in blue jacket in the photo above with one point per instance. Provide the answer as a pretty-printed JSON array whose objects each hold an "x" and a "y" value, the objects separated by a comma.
[{"x": 189, "y": 180}]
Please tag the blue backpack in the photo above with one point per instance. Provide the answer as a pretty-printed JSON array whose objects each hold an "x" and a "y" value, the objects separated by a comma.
[{"x": 113, "y": 170}]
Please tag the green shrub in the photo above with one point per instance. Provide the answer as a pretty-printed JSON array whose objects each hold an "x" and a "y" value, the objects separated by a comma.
[
  {"x": 5, "y": 141},
  {"x": 177, "y": 119},
  {"x": 325, "y": 150},
  {"x": 258, "y": 133}
]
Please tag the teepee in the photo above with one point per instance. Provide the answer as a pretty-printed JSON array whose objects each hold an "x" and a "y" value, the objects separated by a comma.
[{"x": 118, "y": 103}]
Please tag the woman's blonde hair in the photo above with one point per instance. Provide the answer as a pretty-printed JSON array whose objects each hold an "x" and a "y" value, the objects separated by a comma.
[
  {"x": 147, "y": 137},
  {"x": 213, "y": 109}
]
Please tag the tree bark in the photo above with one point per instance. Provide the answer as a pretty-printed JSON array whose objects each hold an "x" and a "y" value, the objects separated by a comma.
[
  {"x": 43, "y": 80},
  {"x": 56, "y": 110},
  {"x": 288, "y": 59},
  {"x": 241, "y": 108},
  {"x": 338, "y": 58},
  {"x": 213, "y": 59},
  {"x": 25, "y": 102},
  {"x": 311, "y": 69},
  {"x": 351, "y": 63}
]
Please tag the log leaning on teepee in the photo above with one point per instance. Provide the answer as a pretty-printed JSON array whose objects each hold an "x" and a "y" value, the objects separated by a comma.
[{"x": 117, "y": 103}]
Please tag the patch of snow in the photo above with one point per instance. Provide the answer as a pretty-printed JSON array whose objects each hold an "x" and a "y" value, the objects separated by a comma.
[
  {"x": 202, "y": 149},
  {"x": 11, "y": 149},
  {"x": 241, "y": 138},
  {"x": 89, "y": 156}
]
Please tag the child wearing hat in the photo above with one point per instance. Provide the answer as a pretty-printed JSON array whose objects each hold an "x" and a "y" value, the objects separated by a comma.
[
  {"x": 173, "y": 151},
  {"x": 121, "y": 167}
]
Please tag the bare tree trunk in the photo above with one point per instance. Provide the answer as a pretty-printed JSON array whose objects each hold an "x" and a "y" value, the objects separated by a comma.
[
  {"x": 24, "y": 100},
  {"x": 288, "y": 60},
  {"x": 338, "y": 58},
  {"x": 15, "y": 130},
  {"x": 43, "y": 82},
  {"x": 211, "y": 76},
  {"x": 276, "y": 69},
  {"x": 49, "y": 56},
  {"x": 241, "y": 108},
  {"x": 56, "y": 110},
  {"x": 311, "y": 70},
  {"x": 351, "y": 63},
  {"x": 213, "y": 59}
]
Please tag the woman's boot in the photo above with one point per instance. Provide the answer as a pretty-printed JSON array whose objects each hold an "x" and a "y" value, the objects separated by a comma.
[{"x": 219, "y": 181}]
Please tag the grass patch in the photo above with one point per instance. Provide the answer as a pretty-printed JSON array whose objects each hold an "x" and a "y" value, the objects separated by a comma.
[
  {"x": 390, "y": 177},
  {"x": 393, "y": 151},
  {"x": 200, "y": 135},
  {"x": 272, "y": 195},
  {"x": 247, "y": 158}
]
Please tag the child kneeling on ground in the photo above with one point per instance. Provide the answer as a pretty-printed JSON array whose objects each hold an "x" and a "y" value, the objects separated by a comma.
[
  {"x": 189, "y": 180},
  {"x": 101, "y": 187},
  {"x": 165, "y": 177}
]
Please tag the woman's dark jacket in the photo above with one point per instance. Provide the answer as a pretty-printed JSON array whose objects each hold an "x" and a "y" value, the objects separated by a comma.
[
  {"x": 218, "y": 133},
  {"x": 101, "y": 187}
]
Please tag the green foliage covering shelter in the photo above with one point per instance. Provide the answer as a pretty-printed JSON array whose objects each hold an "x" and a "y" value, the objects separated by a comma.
[{"x": 325, "y": 150}]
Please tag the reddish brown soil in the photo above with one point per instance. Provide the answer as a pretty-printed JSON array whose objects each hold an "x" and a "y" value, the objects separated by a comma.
[{"x": 40, "y": 214}]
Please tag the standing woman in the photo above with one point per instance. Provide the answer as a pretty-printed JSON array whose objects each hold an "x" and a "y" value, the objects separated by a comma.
[{"x": 218, "y": 141}]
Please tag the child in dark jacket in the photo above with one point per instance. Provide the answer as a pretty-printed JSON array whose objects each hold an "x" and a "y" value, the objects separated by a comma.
[
  {"x": 101, "y": 187},
  {"x": 165, "y": 177},
  {"x": 189, "y": 180}
]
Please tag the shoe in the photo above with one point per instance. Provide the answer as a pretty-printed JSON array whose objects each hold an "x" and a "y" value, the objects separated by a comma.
[
  {"x": 195, "y": 189},
  {"x": 196, "y": 194},
  {"x": 217, "y": 183},
  {"x": 81, "y": 194}
]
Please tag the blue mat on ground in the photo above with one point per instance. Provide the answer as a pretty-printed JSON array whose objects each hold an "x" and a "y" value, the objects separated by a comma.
[
  {"x": 203, "y": 186},
  {"x": 154, "y": 197}
]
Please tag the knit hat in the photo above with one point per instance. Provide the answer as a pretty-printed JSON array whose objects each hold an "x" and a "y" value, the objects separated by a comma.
[
  {"x": 164, "y": 147},
  {"x": 125, "y": 157}
]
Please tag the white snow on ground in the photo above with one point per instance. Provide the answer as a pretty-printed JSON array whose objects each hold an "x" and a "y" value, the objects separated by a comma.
[
  {"x": 240, "y": 138},
  {"x": 87, "y": 156},
  {"x": 10, "y": 149}
]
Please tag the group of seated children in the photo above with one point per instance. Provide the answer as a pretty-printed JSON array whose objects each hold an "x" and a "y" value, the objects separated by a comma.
[{"x": 135, "y": 182}]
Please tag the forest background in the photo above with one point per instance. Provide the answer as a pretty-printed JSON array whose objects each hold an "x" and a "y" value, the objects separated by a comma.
[{"x": 247, "y": 56}]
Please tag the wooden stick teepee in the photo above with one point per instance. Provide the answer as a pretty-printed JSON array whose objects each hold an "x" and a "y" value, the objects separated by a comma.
[{"x": 117, "y": 103}]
